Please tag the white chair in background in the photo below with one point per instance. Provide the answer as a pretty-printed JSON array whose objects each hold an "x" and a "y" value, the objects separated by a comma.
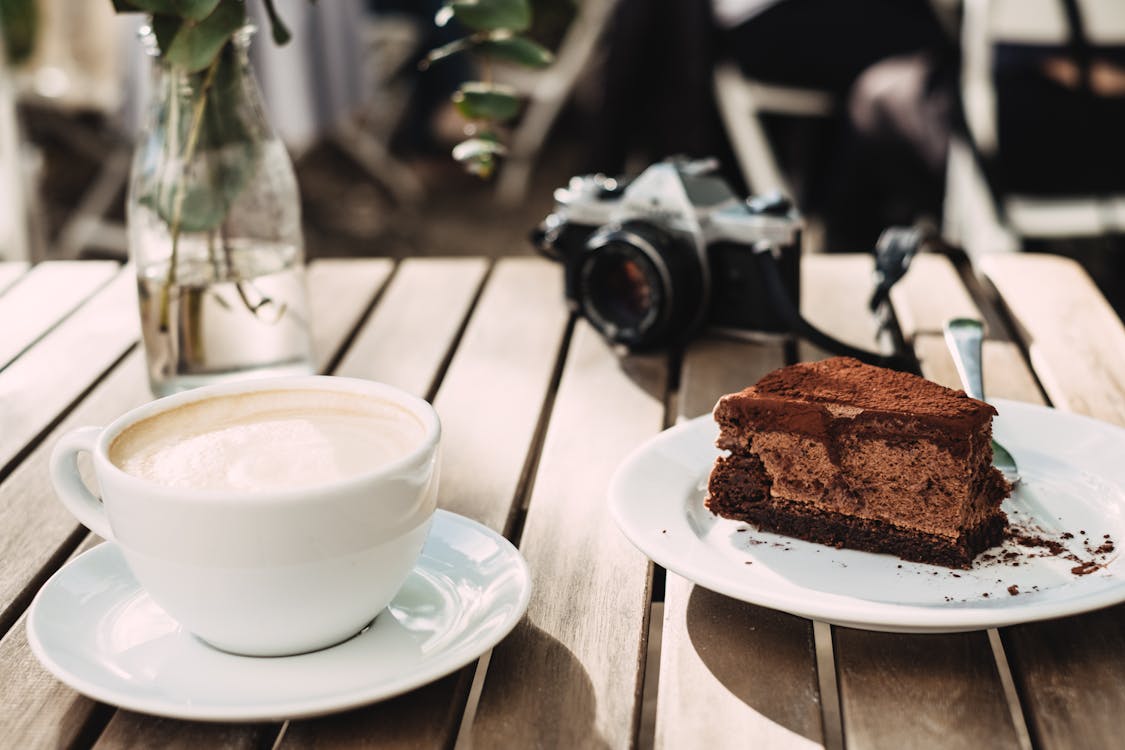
[
  {"x": 742, "y": 101},
  {"x": 970, "y": 216},
  {"x": 547, "y": 92}
]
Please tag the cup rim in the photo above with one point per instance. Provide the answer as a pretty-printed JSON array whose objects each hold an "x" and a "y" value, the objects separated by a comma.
[{"x": 418, "y": 407}]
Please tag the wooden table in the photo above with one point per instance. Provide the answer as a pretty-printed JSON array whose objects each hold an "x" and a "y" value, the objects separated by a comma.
[{"x": 538, "y": 412}]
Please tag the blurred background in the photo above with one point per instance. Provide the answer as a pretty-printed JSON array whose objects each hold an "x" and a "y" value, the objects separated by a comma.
[{"x": 998, "y": 121}]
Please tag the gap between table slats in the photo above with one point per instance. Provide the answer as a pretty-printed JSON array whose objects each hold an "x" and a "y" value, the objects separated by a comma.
[
  {"x": 35, "y": 524},
  {"x": 732, "y": 674},
  {"x": 490, "y": 399},
  {"x": 886, "y": 699},
  {"x": 10, "y": 271},
  {"x": 570, "y": 674},
  {"x": 43, "y": 297},
  {"x": 1070, "y": 672}
]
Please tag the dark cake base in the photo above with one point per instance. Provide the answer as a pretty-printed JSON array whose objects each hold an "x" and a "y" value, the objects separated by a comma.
[
  {"x": 867, "y": 535},
  {"x": 743, "y": 495}
]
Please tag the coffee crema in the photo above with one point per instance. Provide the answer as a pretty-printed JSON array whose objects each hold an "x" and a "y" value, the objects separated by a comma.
[{"x": 267, "y": 441}]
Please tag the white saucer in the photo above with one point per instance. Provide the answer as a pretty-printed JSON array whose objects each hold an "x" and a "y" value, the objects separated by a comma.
[{"x": 94, "y": 628}]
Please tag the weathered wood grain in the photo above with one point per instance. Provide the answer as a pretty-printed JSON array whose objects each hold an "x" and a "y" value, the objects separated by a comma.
[
  {"x": 36, "y": 710},
  {"x": 132, "y": 730},
  {"x": 34, "y": 526},
  {"x": 10, "y": 271},
  {"x": 1006, "y": 374},
  {"x": 491, "y": 398},
  {"x": 966, "y": 696},
  {"x": 1075, "y": 341},
  {"x": 835, "y": 290},
  {"x": 1069, "y": 672},
  {"x": 930, "y": 293},
  {"x": 932, "y": 691},
  {"x": 42, "y": 383},
  {"x": 489, "y": 402},
  {"x": 44, "y": 296},
  {"x": 421, "y": 312},
  {"x": 725, "y": 663},
  {"x": 570, "y": 675},
  {"x": 340, "y": 292}
]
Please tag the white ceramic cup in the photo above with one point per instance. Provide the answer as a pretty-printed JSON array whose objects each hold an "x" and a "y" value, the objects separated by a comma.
[{"x": 273, "y": 572}]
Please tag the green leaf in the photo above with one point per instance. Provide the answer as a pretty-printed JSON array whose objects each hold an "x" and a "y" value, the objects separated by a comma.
[
  {"x": 280, "y": 31},
  {"x": 196, "y": 43},
  {"x": 487, "y": 15},
  {"x": 165, "y": 29},
  {"x": 519, "y": 50},
  {"x": 19, "y": 23},
  {"x": 483, "y": 101},
  {"x": 195, "y": 10},
  {"x": 444, "y": 51}
]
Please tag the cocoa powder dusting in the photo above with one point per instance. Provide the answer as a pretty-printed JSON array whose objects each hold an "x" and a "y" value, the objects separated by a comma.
[{"x": 1034, "y": 539}]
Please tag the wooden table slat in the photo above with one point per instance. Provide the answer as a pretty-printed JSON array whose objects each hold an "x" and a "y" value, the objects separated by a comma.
[
  {"x": 492, "y": 395},
  {"x": 340, "y": 292},
  {"x": 43, "y": 382},
  {"x": 44, "y": 296},
  {"x": 10, "y": 271},
  {"x": 967, "y": 696},
  {"x": 489, "y": 402},
  {"x": 930, "y": 293},
  {"x": 1075, "y": 340},
  {"x": 36, "y": 710},
  {"x": 484, "y": 341},
  {"x": 725, "y": 663},
  {"x": 416, "y": 323},
  {"x": 33, "y": 524},
  {"x": 570, "y": 674},
  {"x": 1069, "y": 672}
]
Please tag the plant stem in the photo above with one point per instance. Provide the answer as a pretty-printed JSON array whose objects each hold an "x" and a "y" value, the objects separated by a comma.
[{"x": 181, "y": 191}]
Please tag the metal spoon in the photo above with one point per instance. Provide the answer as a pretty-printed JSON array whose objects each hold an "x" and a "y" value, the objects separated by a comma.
[{"x": 964, "y": 337}]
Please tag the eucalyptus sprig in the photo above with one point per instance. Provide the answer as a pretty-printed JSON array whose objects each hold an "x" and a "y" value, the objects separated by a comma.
[
  {"x": 191, "y": 33},
  {"x": 195, "y": 39},
  {"x": 497, "y": 27}
]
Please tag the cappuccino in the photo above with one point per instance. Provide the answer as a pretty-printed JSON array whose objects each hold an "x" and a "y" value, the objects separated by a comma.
[{"x": 266, "y": 441}]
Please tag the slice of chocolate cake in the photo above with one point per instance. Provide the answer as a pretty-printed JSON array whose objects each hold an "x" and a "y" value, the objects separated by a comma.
[{"x": 851, "y": 455}]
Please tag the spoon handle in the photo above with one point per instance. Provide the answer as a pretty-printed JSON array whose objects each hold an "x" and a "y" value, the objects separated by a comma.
[{"x": 964, "y": 336}]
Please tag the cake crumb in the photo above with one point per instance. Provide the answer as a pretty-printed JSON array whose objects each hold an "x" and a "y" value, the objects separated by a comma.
[
  {"x": 1085, "y": 568},
  {"x": 1014, "y": 590}
]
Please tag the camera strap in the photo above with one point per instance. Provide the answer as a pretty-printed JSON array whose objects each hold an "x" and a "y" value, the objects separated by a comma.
[{"x": 895, "y": 249}]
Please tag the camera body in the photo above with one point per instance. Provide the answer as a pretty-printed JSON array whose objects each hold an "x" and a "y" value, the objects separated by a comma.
[{"x": 651, "y": 260}]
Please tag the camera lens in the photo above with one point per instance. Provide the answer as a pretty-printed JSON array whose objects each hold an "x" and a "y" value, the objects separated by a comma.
[{"x": 640, "y": 285}]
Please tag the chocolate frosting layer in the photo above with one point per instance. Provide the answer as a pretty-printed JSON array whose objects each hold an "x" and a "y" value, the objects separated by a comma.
[{"x": 812, "y": 398}]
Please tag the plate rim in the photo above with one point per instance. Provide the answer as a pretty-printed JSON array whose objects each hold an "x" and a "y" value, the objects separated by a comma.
[
  {"x": 841, "y": 609},
  {"x": 439, "y": 667}
]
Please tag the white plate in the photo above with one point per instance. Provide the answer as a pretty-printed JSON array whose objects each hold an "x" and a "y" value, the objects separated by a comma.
[
  {"x": 94, "y": 628},
  {"x": 1073, "y": 470}
]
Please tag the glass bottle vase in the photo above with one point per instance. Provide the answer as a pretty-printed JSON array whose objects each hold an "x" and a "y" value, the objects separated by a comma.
[{"x": 214, "y": 226}]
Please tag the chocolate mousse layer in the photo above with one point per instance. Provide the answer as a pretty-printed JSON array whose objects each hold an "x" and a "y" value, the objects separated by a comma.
[{"x": 847, "y": 454}]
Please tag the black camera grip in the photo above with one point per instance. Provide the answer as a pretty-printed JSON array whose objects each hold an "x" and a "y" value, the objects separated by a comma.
[{"x": 801, "y": 327}]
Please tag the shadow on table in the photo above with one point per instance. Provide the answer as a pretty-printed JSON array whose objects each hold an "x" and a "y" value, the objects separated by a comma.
[
  {"x": 774, "y": 672},
  {"x": 536, "y": 694}
]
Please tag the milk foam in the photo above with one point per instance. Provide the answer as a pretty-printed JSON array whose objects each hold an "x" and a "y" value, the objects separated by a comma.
[{"x": 267, "y": 441}]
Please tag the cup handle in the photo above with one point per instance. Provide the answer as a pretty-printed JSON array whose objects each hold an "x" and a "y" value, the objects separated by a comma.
[{"x": 68, "y": 482}]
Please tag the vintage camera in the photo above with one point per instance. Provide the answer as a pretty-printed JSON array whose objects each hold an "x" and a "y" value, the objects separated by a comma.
[{"x": 651, "y": 260}]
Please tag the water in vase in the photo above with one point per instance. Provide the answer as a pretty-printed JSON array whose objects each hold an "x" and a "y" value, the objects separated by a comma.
[{"x": 236, "y": 311}]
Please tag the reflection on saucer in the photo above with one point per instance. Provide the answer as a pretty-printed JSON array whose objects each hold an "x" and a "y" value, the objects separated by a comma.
[{"x": 95, "y": 629}]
